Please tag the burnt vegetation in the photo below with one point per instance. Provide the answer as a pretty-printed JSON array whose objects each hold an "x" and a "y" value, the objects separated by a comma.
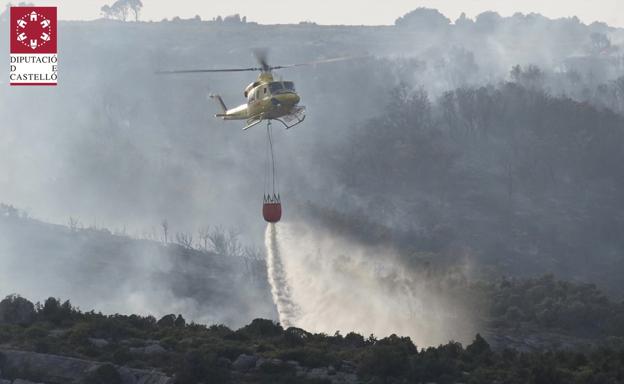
[{"x": 527, "y": 181}]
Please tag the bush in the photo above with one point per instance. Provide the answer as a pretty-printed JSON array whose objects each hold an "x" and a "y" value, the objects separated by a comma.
[
  {"x": 262, "y": 328},
  {"x": 122, "y": 356},
  {"x": 384, "y": 361}
]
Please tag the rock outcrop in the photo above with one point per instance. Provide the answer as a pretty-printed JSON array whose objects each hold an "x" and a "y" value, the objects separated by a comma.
[{"x": 248, "y": 364}]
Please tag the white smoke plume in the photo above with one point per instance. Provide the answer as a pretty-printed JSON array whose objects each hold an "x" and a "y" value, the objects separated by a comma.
[{"x": 338, "y": 285}]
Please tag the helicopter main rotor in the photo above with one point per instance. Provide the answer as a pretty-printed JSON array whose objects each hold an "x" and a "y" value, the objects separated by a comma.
[{"x": 261, "y": 57}]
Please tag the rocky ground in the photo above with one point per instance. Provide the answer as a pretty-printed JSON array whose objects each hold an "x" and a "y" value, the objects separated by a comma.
[
  {"x": 26, "y": 366},
  {"x": 245, "y": 368},
  {"x": 54, "y": 369}
]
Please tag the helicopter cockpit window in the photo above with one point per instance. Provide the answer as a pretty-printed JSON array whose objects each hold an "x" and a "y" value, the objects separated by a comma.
[
  {"x": 276, "y": 87},
  {"x": 254, "y": 94},
  {"x": 289, "y": 85}
]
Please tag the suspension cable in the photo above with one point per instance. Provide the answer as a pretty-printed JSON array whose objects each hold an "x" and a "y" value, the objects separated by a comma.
[
  {"x": 274, "y": 180},
  {"x": 267, "y": 168}
]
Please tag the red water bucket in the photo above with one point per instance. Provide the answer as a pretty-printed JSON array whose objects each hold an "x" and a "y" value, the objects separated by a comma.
[{"x": 272, "y": 212}]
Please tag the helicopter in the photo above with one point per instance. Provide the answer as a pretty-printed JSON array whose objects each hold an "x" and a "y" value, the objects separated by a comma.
[{"x": 267, "y": 98}]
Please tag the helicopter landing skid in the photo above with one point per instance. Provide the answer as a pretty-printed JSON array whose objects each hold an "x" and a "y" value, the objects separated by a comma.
[
  {"x": 251, "y": 123},
  {"x": 296, "y": 117}
]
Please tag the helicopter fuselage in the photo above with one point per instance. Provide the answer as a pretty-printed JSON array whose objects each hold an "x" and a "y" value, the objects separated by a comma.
[{"x": 267, "y": 99}]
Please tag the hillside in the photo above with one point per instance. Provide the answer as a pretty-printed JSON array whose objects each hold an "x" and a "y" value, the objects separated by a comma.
[
  {"x": 462, "y": 136},
  {"x": 222, "y": 284},
  {"x": 455, "y": 182},
  {"x": 54, "y": 343}
]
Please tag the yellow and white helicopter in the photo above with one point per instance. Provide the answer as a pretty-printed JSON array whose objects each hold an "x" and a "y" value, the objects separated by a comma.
[{"x": 267, "y": 98}]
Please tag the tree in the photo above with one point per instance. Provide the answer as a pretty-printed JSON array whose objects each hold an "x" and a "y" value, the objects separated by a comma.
[
  {"x": 599, "y": 42},
  {"x": 531, "y": 77},
  {"x": 165, "y": 228},
  {"x": 478, "y": 347},
  {"x": 167, "y": 321},
  {"x": 121, "y": 8},
  {"x": 235, "y": 19},
  {"x": 55, "y": 311},
  {"x": 14, "y": 309},
  {"x": 73, "y": 224},
  {"x": 135, "y": 6},
  {"x": 424, "y": 18},
  {"x": 180, "y": 322},
  {"x": 184, "y": 239},
  {"x": 9, "y": 211},
  {"x": 488, "y": 21},
  {"x": 463, "y": 21},
  {"x": 106, "y": 11},
  {"x": 225, "y": 243},
  {"x": 204, "y": 237}
]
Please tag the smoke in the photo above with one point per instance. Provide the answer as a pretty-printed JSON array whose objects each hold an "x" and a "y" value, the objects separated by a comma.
[
  {"x": 286, "y": 308},
  {"x": 126, "y": 148},
  {"x": 338, "y": 285},
  {"x": 115, "y": 274}
]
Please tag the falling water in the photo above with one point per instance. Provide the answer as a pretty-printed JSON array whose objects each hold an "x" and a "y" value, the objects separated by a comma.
[
  {"x": 280, "y": 289},
  {"x": 339, "y": 284}
]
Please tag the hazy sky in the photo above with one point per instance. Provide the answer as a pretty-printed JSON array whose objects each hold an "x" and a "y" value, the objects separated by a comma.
[{"x": 348, "y": 11}]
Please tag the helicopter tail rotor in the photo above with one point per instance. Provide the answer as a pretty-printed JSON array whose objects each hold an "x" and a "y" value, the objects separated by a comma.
[{"x": 219, "y": 100}]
